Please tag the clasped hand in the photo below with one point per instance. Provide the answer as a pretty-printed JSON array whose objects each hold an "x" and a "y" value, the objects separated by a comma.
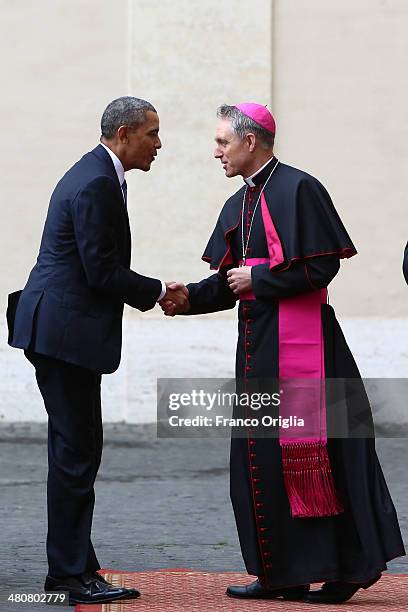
[
  {"x": 239, "y": 279},
  {"x": 176, "y": 299}
]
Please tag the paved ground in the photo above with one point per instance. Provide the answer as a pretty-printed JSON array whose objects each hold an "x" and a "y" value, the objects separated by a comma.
[{"x": 160, "y": 503}]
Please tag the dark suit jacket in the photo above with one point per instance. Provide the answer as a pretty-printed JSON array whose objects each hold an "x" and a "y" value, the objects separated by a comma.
[
  {"x": 405, "y": 263},
  {"x": 71, "y": 307}
]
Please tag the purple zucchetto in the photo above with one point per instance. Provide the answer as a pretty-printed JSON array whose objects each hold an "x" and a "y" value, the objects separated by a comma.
[{"x": 258, "y": 113}]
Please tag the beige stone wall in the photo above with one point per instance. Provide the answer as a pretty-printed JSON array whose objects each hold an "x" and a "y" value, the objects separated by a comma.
[
  {"x": 61, "y": 62},
  {"x": 333, "y": 72},
  {"x": 189, "y": 57},
  {"x": 340, "y": 97}
]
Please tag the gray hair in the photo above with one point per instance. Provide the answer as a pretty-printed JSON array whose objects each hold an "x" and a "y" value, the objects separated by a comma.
[
  {"x": 124, "y": 111},
  {"x": 243, "y": 125}
]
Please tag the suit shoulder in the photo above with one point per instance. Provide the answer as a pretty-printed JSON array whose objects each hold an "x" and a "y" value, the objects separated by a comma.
[{"x": 85, "y": 172}]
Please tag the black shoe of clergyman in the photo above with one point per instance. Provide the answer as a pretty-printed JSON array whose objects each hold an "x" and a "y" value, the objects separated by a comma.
[
  {"x": 337, "y": 592},
  {"x": 255, "y": 590},
  {"x": 89, "y": 588}
]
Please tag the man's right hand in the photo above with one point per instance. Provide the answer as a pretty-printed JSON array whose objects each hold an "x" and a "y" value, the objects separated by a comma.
[{"x": 176, "y": 299}]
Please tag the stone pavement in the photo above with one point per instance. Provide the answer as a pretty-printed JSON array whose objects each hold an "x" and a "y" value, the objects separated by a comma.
[{"x": 161, "y": 503}]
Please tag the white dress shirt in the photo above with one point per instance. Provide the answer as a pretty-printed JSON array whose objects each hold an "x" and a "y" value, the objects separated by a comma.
[{"x": 120, "y": 171}]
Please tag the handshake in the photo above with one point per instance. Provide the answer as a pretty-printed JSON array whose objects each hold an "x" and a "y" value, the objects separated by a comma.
[{"x": 176, "y": 299}]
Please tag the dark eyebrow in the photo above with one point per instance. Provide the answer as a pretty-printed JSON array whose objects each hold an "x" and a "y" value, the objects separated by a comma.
[{"x": 221, "y": 140}]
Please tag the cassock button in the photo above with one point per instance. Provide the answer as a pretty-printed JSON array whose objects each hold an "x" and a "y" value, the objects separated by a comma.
[
  {"x": 264, "y": 541},
  {"x": 252, "y": 442},
  {"x": 259, "y": 505},
  {"x": 268, "y": 565},
  {"x": 262, "y": 529}
]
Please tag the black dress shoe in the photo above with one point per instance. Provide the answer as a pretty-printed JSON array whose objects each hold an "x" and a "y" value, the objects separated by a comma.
[
  {"x": 256, "y": 590},
  {"x": 88, "y": 588},
  {"x": 337, "y": 592}
]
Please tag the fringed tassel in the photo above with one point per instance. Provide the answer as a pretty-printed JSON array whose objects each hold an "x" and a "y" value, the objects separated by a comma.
[{"x": 309, "y": 480}]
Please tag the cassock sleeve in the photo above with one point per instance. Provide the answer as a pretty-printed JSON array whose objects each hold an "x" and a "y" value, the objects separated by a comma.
[
  {"x": 308, "y": 275},
  {"x": 93, "y": 214},
  {"x": 405, "y": 264},
  {"x": 212, "y": 294}
]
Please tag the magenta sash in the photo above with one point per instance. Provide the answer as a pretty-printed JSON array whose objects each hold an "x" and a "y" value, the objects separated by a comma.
[{"x": 306, "y": 467}]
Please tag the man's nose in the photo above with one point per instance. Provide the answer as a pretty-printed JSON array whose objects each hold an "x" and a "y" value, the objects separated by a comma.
[
  {"x": 217, "y": 153},
  {"x": 158, "y": 144}
]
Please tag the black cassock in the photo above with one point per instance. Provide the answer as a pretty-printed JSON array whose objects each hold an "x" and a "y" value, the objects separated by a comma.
[{"x": 356, "y": 544}]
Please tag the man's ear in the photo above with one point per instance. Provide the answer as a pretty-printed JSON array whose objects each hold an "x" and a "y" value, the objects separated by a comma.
[
  {"x": 251, "y": 140},
  {"x": 122, "y": 134}
]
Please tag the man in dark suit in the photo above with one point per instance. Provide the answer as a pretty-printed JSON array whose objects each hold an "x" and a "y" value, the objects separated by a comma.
[{"x": 68, "y": 320}]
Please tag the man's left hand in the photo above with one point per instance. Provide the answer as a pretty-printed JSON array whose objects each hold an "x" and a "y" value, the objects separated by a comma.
[{"x": 239, "y": 279}]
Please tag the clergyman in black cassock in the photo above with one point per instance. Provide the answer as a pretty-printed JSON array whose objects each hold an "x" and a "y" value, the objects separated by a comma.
[
  {"x": 349, "y": 547},
  {"x": 68, "y": 319}
]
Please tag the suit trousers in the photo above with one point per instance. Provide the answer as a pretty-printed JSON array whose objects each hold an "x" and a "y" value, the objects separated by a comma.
[{"x": 72, "y": 398}]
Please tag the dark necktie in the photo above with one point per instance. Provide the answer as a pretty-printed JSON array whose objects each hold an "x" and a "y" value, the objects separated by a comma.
[{"x": 124, "y": 190}]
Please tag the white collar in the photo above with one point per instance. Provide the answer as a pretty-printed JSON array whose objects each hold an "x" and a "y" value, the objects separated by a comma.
[
  {"x": 120, "y": 171},
  {"x": 249, "y": 180}
]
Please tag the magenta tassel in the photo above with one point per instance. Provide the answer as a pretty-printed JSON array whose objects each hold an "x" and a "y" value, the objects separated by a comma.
[{"x": 309, "y": 480}]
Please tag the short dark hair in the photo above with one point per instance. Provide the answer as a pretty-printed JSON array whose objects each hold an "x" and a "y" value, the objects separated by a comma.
[
  {"x": 243, "y": 125},
  {"x": 126, "y": 110}
]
